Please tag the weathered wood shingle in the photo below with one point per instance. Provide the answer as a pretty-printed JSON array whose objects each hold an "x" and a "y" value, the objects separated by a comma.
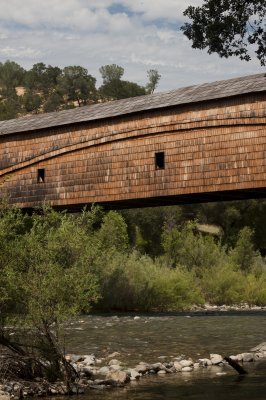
[{"x": 192, "y": 94}]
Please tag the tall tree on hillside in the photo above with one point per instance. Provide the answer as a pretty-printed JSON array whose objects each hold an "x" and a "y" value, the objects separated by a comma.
[
  {"x": 42, "y": 79},
  {"x": 77, "y": 85},
  {"x": 41, "y": 83},
  {"x": 229, "y": 28},
  {"x": 114, "y": 88},
  {"x": 11, "y": 76},
  {"x": 153, "y": 77},
  {"x": 111, "y": 73}
]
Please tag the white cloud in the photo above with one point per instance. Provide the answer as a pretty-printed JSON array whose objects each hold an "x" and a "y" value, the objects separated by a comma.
[
  {"x": 88, "y": 33},
  {"x": 172, "y": 10}
]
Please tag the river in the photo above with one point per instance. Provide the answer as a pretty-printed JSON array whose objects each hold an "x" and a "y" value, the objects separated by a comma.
[{"x": 153, "y": 338}]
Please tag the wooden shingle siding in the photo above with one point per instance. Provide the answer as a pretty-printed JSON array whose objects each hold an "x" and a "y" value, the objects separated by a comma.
[{"x": 215, "y": 146}]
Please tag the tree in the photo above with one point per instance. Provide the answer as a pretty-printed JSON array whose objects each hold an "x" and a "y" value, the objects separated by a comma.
[
  {"x": 41, "y": 84},
  {"x": 154, "y": 77},
  {"x": 10, "y": 106},
  {"x": 31, "y": 101},
  {"x": 228, "y": 27},
  {"x": 77, "y": 85},
  {"x": 54, "y": 102},
  {"x": 111, "y": 73},
  {"x": 243, "y": 254},
  {"x": 44, "y": 281},
  {"x": 188, "y": 247},
  {"x": 113, "y": 88},
  {"x": 11, "y": 76},
  {"x": 42, "y": 79}
]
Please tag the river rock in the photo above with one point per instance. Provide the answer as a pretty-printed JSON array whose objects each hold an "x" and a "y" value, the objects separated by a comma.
[
  {"x": 87, "y": 371},
  {"x": 216, "y": 359},
  {"x": 89, "y": 360},
  {"x": 186, "y": 363},
  {"x": 74, "y": 358},
  {"x": 247, "y": 357},
  {"x": 237, "y": 357},
  {"x": 118, "y": 376},
  {"x": 4, "y": 397},
  {"x": 113, "y": 355},
  {"x": 161, "y": 372},
  {"x": 142, "y": 368},
  {"x": 156, "y": 367},
  {"x": 260, "y": 347},
  {"x": 77, "y": 389},
  {"x": 179, "y": 358},
  {"x": 177, "y": 366},
  {"x": 115, "y": 367},
  {"x": 186, "y": 369},
  {"x": 114, "y": 362},
  {"x": 103, "y": 371},
  {"x": 134, "y": 375},
  {"x": 204, "y": 362}
]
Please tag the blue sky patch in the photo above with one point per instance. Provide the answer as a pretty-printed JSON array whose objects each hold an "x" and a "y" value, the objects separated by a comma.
[{"x": 118, "y": 8}]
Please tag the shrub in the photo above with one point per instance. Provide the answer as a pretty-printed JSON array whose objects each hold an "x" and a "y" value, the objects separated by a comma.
[
  {"x": 223, "y": 284},
  {"x": 174, "y": 289}
]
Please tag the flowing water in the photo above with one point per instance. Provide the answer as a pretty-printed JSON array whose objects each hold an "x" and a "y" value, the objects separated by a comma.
[{"x": 154, "y": 338}]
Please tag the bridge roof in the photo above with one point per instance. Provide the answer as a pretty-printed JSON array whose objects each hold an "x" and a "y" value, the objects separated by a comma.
[{"x": 191, "y": 94}]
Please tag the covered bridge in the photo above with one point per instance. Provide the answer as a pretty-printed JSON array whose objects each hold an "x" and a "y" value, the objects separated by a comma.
[{"x": 195, "y": 144}]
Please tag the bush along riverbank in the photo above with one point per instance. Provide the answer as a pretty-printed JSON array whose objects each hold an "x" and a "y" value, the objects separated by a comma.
[
  {"x": 99, "y": 374},
  {"x": 90, "y": 253}
]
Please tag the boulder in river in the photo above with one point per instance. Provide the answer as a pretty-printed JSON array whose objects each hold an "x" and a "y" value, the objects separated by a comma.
[
  {"x": 118, "y": 376},
  {"x": 114, "y": 362},
  {"x": 247, "y": 357},
  {"x": 259, "y": 348},
  {"x": 133, "y": 374},
  {"x": 187, "y": 369},
  {"x": 186, "y": 363},
  {"x": 216, "y": 359}
]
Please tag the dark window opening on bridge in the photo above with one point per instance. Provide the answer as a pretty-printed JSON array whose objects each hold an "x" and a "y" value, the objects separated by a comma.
[
  {"x": 159, "y": 160},
  {"x": 41, "y": 175}
]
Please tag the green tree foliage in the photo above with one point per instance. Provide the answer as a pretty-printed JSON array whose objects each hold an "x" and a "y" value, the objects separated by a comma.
[
  {"x": 54, "y": 102},
  {"x": 113, "y": 232},
  {"x": 145, "y": 226},
  {"x": 45, "y": 281},
  {"x": 233, "y": 216},
  {"x": 32, "y": 102},
  {"x": 11, "y": 106},
  {"x": 55, "y": 265},
  {"x": 114, "y": 88},
  {"x": 188, "y": 247},
  {"x": 228, "y": 28},
  {"x": 111, "y": 73},
  {"x": 243, "y": 254},
  {"x": 223, "y": 284},
  {"x": 153, "y": 80},
  {"x": 76, "y": 85},
  {"x": 11, "y": 76},
  {"x": 49, "y": 88},
  {"x": 42, "y": 79},
  {"x": 41, "y": 83}
]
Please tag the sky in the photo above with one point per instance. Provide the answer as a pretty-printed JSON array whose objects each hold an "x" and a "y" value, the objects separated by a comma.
[{"x": 136, "y": 34}]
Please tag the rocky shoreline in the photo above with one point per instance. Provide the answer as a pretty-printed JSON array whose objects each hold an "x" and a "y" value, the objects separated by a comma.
[{"x": 99, "y": 374}]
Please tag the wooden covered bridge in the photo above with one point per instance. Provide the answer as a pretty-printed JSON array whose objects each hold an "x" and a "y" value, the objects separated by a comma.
[{"x": 195, "y": 144}]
